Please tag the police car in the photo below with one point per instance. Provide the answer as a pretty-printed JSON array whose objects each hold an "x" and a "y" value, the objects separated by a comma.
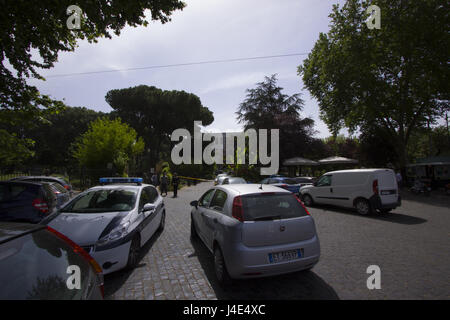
[{"x": 112, "y": 221}]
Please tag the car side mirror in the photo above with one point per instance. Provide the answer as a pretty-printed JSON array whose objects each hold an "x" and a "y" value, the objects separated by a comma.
[
  {"x": 315, "y": 184},
  {"x": 148, "y": 207},
  {"x": 194, "y": 203}
]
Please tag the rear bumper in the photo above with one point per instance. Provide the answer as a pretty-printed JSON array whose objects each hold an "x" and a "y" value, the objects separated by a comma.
[
  {"x": 376, "y": 203},
  {"x": 253, "y": 262}
]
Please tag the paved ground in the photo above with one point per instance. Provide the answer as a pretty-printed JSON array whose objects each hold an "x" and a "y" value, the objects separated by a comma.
[{"x": 411, "y": 246}]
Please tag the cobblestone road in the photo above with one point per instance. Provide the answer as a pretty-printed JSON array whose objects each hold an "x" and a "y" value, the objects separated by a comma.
[{"x": 411, "y": 246}]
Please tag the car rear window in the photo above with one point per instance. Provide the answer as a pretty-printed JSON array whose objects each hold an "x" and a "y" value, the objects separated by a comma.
[
  {"x": 236, "y": 181},
  {"x": 58, "y": 187},
  {"x": 271, "y": 206},
  {"x": 34, "y": 266},
  {"x": 15, "y": 191}
]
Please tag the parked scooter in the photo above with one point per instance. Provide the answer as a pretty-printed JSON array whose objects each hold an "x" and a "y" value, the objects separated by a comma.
[{"x": 421, "y": 187}]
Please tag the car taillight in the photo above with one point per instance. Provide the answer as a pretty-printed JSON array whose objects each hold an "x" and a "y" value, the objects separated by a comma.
[
  {"x": 76, "y": 248},
  {"x": 301, "y": 203},
  {"x": 238, "y": 212},
  {"x": 67, "y": 187},
  {"x": 41, "y": 205},
  {"x": 375, "y": 186},
  {"x": 284, "y": 186}
]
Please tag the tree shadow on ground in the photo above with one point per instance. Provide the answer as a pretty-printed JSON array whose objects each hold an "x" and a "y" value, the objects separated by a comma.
[
  {"x": 304, "y": 285},
  {"x": 436, "y": 198},
  {"x": 392, "y": 216}
]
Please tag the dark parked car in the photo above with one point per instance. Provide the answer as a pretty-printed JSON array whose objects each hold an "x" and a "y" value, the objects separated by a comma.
[
  {"x": 286, "y": 183},
  {"x": 61, "y": 181},
  {"x": 304, "y": 181},
  {"x": 26, "y": 201},
  {"x": 34, "y": 264},
  {"x": 61, "y": 193}
]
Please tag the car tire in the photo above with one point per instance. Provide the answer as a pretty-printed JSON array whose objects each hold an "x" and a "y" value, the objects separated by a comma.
[
  {"x": 194, "y": 234},
  {"x": 307, "y": 200},
  {"x": 220, "y": 268},
  {"x": 363, "y": 207},
  {"x": 163, "y": 221},
  {"x": 134, "y": 253}
]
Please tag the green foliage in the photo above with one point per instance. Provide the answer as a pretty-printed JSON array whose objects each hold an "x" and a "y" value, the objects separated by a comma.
[
  {"x": 343, "y": 146},
  {"x": 155, "y": 113},
  {"x": 14, "y": 150},
  {"x": 429, "y": 143},
  {"x": 108, "y": 141},
  {"x": 54, "y": 137},
  {"x": 396, "y": 78},
  {"x": 266, "y": 107},
  {"x": 32, "y": 33}
]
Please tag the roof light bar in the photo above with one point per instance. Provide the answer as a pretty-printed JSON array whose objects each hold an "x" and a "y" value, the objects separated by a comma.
[{"x": 113, "y": 180}]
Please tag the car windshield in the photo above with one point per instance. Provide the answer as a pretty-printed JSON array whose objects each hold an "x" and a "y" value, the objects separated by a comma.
[
  {"x": 103, "y": 200},
  {"x": 271, "y": 206}
]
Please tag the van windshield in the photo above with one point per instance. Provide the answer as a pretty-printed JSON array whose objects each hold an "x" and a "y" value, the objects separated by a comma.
[{"x": 271, "y": 206}]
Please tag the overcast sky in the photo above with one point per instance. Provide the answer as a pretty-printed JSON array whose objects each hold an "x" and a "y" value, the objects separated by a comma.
[{"x": 204, "y": 30}]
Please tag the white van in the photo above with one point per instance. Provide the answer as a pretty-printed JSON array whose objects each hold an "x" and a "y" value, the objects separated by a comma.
[{"x": 366, "y": 190}]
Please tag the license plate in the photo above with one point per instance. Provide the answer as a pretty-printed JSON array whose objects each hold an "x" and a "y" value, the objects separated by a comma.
[{"x": 276, "y": 257}]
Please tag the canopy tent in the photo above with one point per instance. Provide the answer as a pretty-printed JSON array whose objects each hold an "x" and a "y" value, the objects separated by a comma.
[
  {"x": 295, "y": 166},
  {"x": 297, "y": 161},
  {"x": 337, "y": 160}
]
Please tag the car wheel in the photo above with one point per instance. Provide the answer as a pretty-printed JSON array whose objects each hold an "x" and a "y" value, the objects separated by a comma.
[
  {"x": 307, "y": 200},
  {"x": 134, "y": 253},
  {"x": 163, "y": 221},
  {"x": 194, "y": 234},
  {"x": 363, "y": 207},
  {"x": 220, "y": 267}
]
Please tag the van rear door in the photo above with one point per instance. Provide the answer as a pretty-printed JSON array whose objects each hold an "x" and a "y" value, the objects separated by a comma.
[
  {"x": 275, "y": 219},
  {"x": 387, "y": 186}
]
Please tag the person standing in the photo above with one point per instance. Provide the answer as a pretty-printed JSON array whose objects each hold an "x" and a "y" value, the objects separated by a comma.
[
  {"x": 175, "y": 183},
  {"x": 154, "y": 180},
  {"x": 164, "y": 183},
  {"x": 399, "y": 179}
]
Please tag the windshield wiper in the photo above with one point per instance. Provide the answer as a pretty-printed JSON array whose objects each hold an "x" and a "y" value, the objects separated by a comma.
[{"x": 267, "y": 218}]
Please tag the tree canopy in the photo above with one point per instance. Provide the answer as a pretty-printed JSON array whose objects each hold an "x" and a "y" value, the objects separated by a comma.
[
  {"x": 32, "y": 33},
  {"x": 108, "y": 141},
  {"x": 395, "y": 78},
  {"x": 266, "y": 107},
  {"x": 155, "y": 113}
]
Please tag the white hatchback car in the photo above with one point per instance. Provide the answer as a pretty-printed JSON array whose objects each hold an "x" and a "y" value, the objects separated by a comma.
[
  {"x": 255, "y": 231},
  {"x": 112, "y": 222}
]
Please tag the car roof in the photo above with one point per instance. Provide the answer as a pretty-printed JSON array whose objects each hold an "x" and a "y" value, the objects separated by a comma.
[
  {"x": 12, "y": 230},
  {"x": 37, "y": 177},
  {"x": 121, "y": 186},
  {"x": 359, "y": 170},
  {"x": 33, "y": 183},
  {"x": 244, "y": 189}
]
